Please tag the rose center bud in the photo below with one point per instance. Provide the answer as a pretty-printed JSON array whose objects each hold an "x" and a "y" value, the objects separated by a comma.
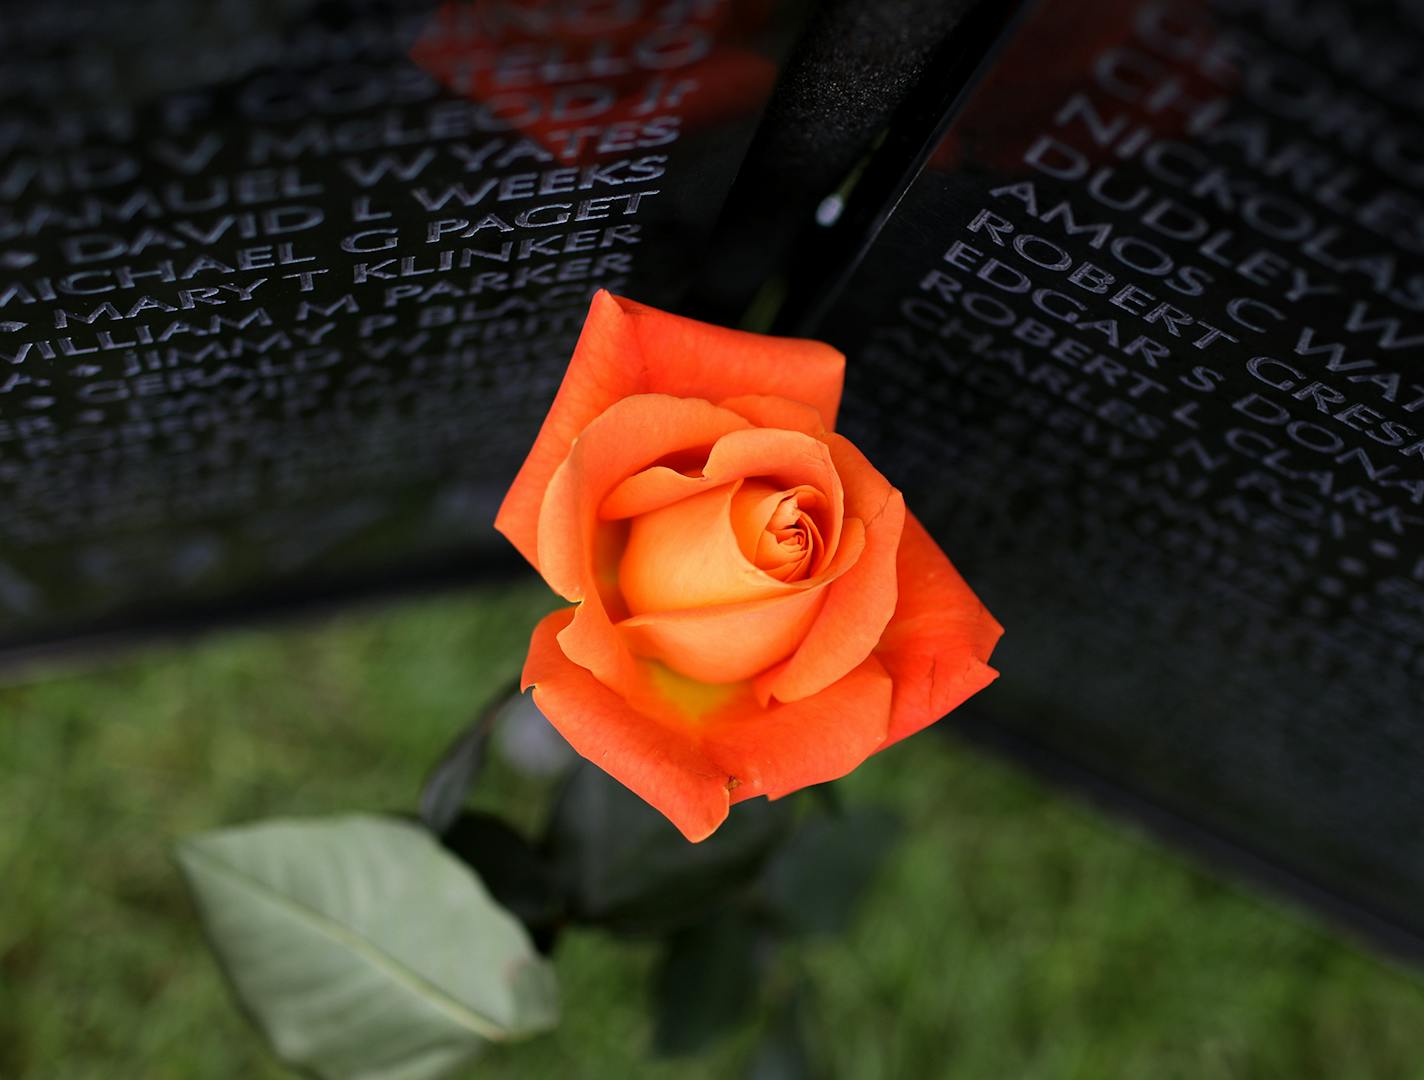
[
  {"x": 736, "y": 542},
  {"x": 775, "y": 529}
]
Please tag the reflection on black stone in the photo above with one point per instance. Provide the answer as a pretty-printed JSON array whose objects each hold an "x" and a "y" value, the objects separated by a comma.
[
  {"x": 1142, "y": 345},
  {"x": 285, "y": 288}
]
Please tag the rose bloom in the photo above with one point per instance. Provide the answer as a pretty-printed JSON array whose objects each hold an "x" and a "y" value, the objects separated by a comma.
[{"x": 755, "y": 610}]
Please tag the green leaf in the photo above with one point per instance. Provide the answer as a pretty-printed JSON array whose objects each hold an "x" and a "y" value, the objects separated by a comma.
[
  {"x": 707, "y": 983},
  {"x": 624, "y": 866},
  {"x": 814, "y": 882},
  {"x": 445, "y": 790},
  {"x": 362, "y": 949}
]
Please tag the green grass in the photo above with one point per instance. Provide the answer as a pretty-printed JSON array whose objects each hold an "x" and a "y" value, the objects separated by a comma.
[{"x": 1013, "y": 934}]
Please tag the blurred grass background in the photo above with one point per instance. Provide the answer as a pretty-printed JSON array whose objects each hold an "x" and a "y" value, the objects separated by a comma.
[{"x": 1013, "y": 933}]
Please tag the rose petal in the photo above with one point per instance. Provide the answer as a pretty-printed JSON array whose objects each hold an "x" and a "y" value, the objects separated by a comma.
[
  {"x": 753, "y": 507},
  {"x": 860, "y": 604},
  {"x": 650, "y": 490},
  {"x": 661, "y": 764},
  {"x": 783, "y": 458},
  {"x": 786, "y": 747},
  {"x": 607, "y": 364},
  {"x": 627, "y": 349},
  {"x": 691, "y": 760},
  {"x": 786, "y": 459},
  {"x": 764, "y": 410},
  {"x": 681, "y": 638},
  {"x": 727, "y": 643},
  {"x": 694, "y": 359},
  {"x": 629, "y": 435},
  {"x": 937, "y": 644},
  {"x": 686, "y": 556}
]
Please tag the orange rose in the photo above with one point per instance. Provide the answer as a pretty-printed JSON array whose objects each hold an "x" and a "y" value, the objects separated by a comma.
[{"x": 756, "y": 610}]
